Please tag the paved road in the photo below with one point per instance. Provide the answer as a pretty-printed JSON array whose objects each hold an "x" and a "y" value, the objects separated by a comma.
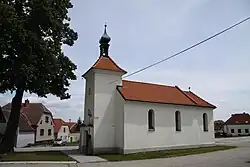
[{"x": 230, "y": 158}]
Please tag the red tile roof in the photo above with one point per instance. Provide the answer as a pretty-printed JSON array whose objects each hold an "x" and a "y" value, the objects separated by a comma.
[
  {"x": 24, "y": 122},
  {"x": 58, "y": 124},
  {"x": 106, "y": 63},
  {"x": 238, "y": 119},
  {"x": 33, "y": 111},
  {"x": 148, "y": 92}
]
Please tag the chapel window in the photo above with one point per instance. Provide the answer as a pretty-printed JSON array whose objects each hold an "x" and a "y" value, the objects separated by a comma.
[
  {"x": 205, "y": 122},
  {"x": 178, "y": 121},
  {"x": 151, "y": 120}
]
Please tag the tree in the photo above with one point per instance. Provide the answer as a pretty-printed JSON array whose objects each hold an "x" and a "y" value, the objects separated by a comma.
[
  {"x": 78, "y": 124},
  {"x": 32, "y": 33}
]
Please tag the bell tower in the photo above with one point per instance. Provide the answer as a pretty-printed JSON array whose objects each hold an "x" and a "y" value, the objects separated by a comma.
[{"x": 100, "y": 100}]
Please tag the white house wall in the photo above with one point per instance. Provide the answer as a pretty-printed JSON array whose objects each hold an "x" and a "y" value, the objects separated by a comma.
[
  {"x": 25, "y": 138},
  {"x": 227, "y": 129},
  {"x": 138, "y": 138},
  {"x": 46, "y": 127},
  {"x": 63, "y": 135},
  {"x": 74, "y": 137},
  {"x": 104, "y": 118}
]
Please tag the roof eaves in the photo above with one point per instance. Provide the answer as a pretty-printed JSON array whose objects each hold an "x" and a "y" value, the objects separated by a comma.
[
  {"x": 188, "y": 105},
  {"x": 212, "y": 106}
]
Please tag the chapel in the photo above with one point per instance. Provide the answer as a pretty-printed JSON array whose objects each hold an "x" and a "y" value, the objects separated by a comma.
[{"x": 123, "y": 116}]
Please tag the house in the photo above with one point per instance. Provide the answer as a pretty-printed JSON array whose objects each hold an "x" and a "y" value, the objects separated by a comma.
[
  {"x": 238, "y": 125},
  {"x": 25, "y": 132},
  {"x": 74, "y": 135},
  {"x": 61, "y": 130},
  {"x": 123, "y": 116},
  {"x": 66, "y": 131},
  {"x": 34, "y": 118}
]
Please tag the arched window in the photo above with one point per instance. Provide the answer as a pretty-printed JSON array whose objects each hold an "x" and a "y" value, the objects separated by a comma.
[
  {"x": 151, "y": 120},
  {"x": 205, "y": 122},
  {"x": 178, "y": 121}
]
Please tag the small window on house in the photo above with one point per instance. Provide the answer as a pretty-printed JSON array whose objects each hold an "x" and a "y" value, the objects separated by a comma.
[
  {"x": 246, "y": 130},
  {"x": 41, "y": 121},
  {"x": 49, "y": 132},
  {"x": 177, "y": 121},
  {"x": 232, "y": 130},
  {"x": 46, "y": 119},
  {"x": 205, "y": 122},
  {"x": 151, "y": 120},
  {"x": 239, "y": 130},
  {"x": 64, "y": 130},
  {"x": 41, "y": 132}
]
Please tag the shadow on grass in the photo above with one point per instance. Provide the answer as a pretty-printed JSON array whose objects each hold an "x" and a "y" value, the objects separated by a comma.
[
  {"x": 163, "y": 154},
  {"x": 36, "y": 156}
]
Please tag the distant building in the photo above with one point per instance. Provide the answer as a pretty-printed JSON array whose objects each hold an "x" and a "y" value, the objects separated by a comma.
[
  {"x": 219, "y": 126},
  {"x": 66, "y": 131},
  {"x": 238, "y": 125},
  {"x": 35, "y": 123}
]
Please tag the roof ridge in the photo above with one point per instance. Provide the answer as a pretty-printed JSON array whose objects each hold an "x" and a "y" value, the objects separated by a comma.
[
  {"x": 149, "y": 83},
  {"x": 186, "y": 95}
]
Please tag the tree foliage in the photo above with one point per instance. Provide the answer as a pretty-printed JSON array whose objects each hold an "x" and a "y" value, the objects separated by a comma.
[{"x": 32, "y": 33}]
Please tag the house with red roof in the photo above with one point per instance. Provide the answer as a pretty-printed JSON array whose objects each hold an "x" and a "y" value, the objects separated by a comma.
[
  {"x": 238, "y": 125},
  {"x": 66, "y": 131},
  {"x": 35, "y": 123},
  {"x": 123, "y": 116}
]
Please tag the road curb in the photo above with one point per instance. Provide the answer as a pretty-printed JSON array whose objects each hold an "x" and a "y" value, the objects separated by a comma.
[{"x": 39, "y": 162}]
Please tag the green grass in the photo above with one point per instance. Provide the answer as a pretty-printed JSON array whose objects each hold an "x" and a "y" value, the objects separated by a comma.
[
  {"x": 36, "y": 156},
  {"x": 164, "y": 154},
  {"x": 72, "y": 144}
]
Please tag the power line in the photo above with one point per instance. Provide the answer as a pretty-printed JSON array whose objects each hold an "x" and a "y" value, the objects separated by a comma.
[{"x": 192, "y": 46}]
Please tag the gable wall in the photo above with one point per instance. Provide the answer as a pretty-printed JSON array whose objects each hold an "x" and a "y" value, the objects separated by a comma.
[
  {"x": 46, "y": 126},
  {"x": 63, "y": 135},
  {"x": 138, "y": 138}
]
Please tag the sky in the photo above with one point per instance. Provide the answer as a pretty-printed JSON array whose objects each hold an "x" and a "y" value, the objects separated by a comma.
[{"x": 146, "y": 31}]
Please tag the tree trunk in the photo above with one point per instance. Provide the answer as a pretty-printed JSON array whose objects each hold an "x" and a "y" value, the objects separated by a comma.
[{"x": 10, "y": 134}]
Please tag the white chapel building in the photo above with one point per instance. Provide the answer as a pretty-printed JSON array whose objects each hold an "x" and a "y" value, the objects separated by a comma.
[{"x": 122, "y": 116}]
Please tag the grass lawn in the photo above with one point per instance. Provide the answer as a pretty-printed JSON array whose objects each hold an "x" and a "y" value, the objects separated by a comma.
[
  {"x": 163, "y": 154},
  {"x": 72, "y": 144},
  {"x": 36, "y": 156}
]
